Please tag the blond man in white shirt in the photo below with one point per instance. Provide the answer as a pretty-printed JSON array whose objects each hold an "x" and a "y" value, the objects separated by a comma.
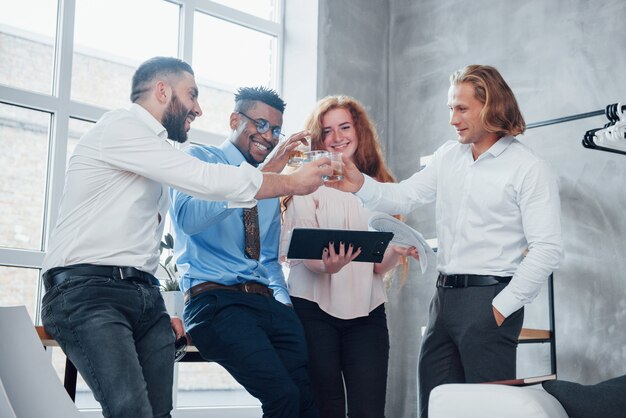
[
  {"x": 102, "y": 301},
  {"x": 494, "y": 199}
]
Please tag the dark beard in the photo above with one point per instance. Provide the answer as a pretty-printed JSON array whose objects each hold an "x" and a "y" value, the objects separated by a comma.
[{"x": 174, "y": 120}]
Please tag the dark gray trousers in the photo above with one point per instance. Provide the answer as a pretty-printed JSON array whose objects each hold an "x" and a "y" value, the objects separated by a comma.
[{"x": 463, "y": 343}]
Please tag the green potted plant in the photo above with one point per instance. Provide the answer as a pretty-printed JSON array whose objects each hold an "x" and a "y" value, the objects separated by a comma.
[
  {"x": 170, "y": 282},
  {"x": 170, "y": 289}
]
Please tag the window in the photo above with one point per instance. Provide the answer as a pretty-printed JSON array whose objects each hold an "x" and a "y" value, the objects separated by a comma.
[
  {"x": 265, "y": 9},
  {"x": 24, "y": 140},
  {"x": 200, "y": 384},
  {"x": 57, "y": 80},
  {"x": 19, "y": 287},
  {"x": 27, "y": 44},
  {"x": 243, "y": 57},
  {"x": 102, "y": 66}
]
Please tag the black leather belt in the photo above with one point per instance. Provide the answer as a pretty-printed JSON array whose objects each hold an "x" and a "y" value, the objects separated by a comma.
[
  {"x": 58, "y": 275},
  {"x": 247, "y": 287},
  {"x": 468, "y": 280}
]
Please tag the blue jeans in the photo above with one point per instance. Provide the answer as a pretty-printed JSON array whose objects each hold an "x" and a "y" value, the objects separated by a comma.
[
  {"x": 260, "y": 342},
  {"x": 351, "y": 351},
  {"x": 118, "y": 335}
]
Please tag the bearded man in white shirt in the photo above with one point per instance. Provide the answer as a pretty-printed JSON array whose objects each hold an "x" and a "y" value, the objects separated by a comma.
[
  {"x": 495, "y": 201},
  {"x": 102, "y": 301}
]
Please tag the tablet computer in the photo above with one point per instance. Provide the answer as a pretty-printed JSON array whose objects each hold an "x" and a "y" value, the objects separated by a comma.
[{"x": 308, "y": 243}]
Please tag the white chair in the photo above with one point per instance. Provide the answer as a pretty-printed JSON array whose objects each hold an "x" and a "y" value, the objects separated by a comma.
[
  {"x": 493, "y": 401},
  {"x": 31, "y": 385},
  {"x": 6, "y": 410}
]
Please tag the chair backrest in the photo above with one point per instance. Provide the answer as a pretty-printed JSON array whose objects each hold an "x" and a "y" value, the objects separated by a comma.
[
  {"x": 6, "y": 410},
  {"x": 476, "y": 400},
  {"x": 30, "y": 382}
]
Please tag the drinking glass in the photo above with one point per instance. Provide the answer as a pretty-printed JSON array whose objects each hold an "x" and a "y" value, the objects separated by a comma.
[
  {"x": 314, "y": 155},
  {"x": 296, "y": 156},
  {"x": 337, "y": 165}
]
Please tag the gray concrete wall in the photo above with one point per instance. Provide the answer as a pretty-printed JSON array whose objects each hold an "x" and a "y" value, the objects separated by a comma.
[
  {"x": 561, "y": 57},
  {"x": 353, "y": 54},
  {"x": 353, "y": 59}
]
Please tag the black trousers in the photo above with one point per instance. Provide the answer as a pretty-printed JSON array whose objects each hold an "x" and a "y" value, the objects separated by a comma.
[
  {"x": 351, "y": 351},
  {"x": 260, "y": 342},
  {"x": 463, "y": 343}
]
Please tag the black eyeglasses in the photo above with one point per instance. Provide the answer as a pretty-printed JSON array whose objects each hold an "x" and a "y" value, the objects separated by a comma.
[{"x": 262, "y": 126}]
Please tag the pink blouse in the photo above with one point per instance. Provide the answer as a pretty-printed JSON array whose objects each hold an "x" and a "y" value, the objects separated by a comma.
[{"x": 355, "y": 290}]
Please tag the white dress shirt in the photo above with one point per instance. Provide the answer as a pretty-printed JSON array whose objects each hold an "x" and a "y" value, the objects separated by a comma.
[
  {"x": 489, "y": 211},
  {"x": 115, "y": 199}
]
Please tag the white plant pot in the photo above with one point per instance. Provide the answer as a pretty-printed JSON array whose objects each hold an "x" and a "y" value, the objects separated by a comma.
[{"x": 174, "y": 302}]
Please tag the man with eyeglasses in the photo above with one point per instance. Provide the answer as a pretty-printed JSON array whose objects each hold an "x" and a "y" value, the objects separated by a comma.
[
  {"x": 237, "y": 307},
  {"x": 102, "y": 301}
]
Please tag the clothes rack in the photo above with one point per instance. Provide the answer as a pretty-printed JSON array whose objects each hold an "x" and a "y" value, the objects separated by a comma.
[{"x": 587, "y": 141}]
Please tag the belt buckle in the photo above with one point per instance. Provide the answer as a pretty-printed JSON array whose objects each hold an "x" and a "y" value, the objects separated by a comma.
[
  {"x": 121, "y": 273},
  {"x": 443, "y": 282},
  {"x": 246, "y": 289}
]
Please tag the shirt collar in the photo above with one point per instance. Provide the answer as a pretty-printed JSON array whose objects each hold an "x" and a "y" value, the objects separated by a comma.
[
  {"x": 148, "y": 119},
  {"x": 494, "y": 151},
  {"x": 500, "y": 145},
  {"x": 232, "y": 153}
]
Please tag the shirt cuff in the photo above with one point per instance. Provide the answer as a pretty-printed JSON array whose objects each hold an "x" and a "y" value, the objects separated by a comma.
[
  {"x": 255, "y": 178},
  {"x": 367, "y": 192},
  {"x": 506, "y": 303},
  {"x": 282, "y": 297}
]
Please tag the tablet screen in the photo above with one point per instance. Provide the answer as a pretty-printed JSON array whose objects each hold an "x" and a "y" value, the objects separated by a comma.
[{"x": 308, "y": 243}]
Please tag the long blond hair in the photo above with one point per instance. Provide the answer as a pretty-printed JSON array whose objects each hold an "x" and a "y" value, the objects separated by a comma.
[{"x": 500, "y": 114}]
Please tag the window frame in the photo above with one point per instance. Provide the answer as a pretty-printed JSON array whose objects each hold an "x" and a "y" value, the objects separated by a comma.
[{"x": 62, "y": 108}]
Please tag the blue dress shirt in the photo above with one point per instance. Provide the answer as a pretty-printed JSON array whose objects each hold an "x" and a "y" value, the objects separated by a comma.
[{"x": 210, "y": 236}]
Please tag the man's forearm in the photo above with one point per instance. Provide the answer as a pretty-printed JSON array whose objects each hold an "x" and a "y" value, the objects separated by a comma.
[
  {"x": 303, "y": 181},
  {"x": 275, "y": 185},
  {"x": 530, "y": 276}
]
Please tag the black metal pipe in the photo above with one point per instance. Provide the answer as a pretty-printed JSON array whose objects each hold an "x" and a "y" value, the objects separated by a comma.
[
  {"x": 565, "y": 119},
  {"x": 570, "y": 118}
]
